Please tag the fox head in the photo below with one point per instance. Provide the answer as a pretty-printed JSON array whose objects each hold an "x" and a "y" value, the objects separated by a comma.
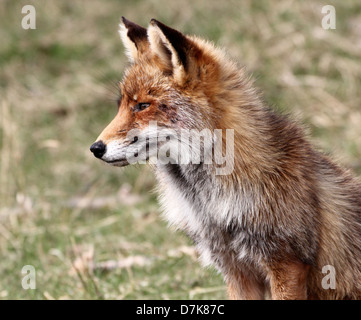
[{"x": 174, "y": 80}]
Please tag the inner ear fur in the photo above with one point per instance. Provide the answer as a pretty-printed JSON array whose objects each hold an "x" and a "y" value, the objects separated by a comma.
[
  {"x": 171, "y": 46},
  {"x": 135, "y": 39}
]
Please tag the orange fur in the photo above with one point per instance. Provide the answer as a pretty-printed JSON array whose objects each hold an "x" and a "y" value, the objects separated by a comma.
[{"x": 284, "y": 212}]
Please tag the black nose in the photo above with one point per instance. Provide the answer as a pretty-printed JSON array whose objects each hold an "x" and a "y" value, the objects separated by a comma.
[{"x": 98, "y": 148}]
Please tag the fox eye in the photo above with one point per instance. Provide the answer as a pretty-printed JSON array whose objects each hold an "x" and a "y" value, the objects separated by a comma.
[{"x": 141, "y": 106}]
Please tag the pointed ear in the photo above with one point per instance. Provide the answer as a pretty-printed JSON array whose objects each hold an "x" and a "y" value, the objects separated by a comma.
[
  {"x": 134, "y": 38},
  {"x": 171, "y": 46}
]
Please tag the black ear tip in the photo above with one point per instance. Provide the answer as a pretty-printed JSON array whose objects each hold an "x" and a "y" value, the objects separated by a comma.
[
  {"x": 125, "y": 21},
  {"x": 154, "y": 22}
]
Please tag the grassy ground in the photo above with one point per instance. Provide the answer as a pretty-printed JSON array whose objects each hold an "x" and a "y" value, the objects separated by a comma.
[{"x": 93, "y": 231}]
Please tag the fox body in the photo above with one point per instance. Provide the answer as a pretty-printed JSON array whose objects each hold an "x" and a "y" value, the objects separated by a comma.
[{"x": 281, "y": 215}]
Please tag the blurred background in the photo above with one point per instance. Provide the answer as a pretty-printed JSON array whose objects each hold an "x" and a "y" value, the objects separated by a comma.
[{"x": 92, "y": 231}]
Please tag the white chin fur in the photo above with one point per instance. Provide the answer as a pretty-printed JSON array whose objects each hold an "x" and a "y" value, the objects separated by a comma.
[
  {"x": 115, "y": 151},
  {"x": 120, "y": 154}
]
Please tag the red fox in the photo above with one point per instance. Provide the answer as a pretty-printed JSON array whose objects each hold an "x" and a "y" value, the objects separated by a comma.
[{"x": 281, "y": 216}]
